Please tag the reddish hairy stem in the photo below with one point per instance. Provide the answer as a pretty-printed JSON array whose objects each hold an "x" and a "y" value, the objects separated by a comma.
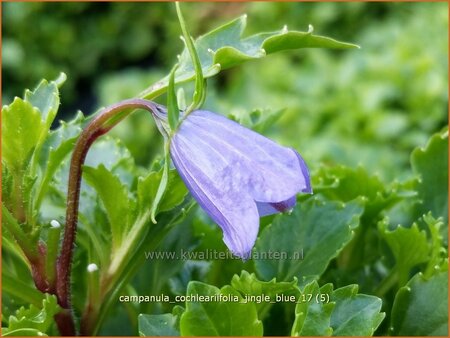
[{"x": 104, "y": 122}]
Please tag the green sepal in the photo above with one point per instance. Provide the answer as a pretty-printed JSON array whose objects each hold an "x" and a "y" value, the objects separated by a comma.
[{"x": 173, "y": 111}]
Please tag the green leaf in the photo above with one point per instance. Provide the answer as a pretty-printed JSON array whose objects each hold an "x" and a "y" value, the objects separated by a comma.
[
  {"x": 55, "y": 150},
  {"x": 438, "y": 252},
  {"x": 21, "y": 130},
  {"x": 312, "y": 318},
  {"x": 33, "y": 317},
  {"x": 115, "y": 199},
  {"x": 355, "y": 314},
  {"x": 342, "y": 312},
  {"x": 306, "y": 240},
  {"x": 260, "y": 120},
  {"x": 409, "y": 247},
  {"x": 224, "y": 48},
  {"x": 187, "y": 271},
  {"x": 148, "y": 187},
  {"x": 225, "y": 45},
  {"x": 218, "y": 318},
  {"x": 46, "y": 98},
  {"x": 421, "y": 307},
  {"x": 248, "y": 284},
  {"x": 431, "y": 163},
  {"x": 341, "y": 183},
  {"x": 16, "y": 287},
  {"x": 158, "y": 325}
]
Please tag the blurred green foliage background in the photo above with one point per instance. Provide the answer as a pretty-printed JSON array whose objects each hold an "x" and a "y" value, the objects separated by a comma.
[{"x": 369, "y": 106}]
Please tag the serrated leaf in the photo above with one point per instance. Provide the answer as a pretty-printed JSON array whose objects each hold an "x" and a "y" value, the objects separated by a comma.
[
  {"x": 342, "y": 312},
  {"x": 409, "y": 247},
  {"x": 248, "y": 284},
  {"x": 55, "y": 150},
  {"x": 225, "y": 45},
  {"x": 355, "y": 314},
  {"x": 312, "y": 318},
  {"x": 341, "y": 183},
  {"x": 114, "y": 196},
  {"x": 421, "y": 307},
  {"x": 21, "y": 129},
  {"x": 33, "y": 317},
  {"x": 218, "y": 318},
  {"x": 309, "y": 239},
  {"x": 224, "y": 48},
  {"x": 438, "y": 252},
  {"x": 45, "y": 98},
  {"x": 431, "y": 163}
]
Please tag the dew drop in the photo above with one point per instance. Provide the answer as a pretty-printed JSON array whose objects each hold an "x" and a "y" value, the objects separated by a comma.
[
  {"x": 92, "y": 267},
  {"x": 55, "y": 224}
]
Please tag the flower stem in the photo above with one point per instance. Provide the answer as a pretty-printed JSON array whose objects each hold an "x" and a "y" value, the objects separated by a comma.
[{"x": 105, "y": 121}]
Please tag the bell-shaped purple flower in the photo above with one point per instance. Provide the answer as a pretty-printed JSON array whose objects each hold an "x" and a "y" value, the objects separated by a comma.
[{"x": 236, "y": 175}]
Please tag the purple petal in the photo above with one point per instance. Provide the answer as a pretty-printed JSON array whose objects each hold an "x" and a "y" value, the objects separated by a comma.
[
  {"x": 234, "y": 173},
  {"x": 235, "y": 212}
]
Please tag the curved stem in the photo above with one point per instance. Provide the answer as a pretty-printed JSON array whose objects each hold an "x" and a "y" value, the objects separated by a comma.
[{"x": 104, "y": 122}]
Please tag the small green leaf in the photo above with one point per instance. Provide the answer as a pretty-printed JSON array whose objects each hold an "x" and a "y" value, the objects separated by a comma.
[
  {"x": 312, "y": 318},
  {"x": 158, "y": 325},
  {"x": 409, "y": 247},
  {"x": 46, "y": 98},
  {"x": 431, "y": 163},
  {"x": 355, "y": 314},
  {"x": 115, "y": 199},
  {"x": 438, "y": 252},
  {"x": 342, "y": 312},
  {"x": 308, "y": 239},
  {"x": 341, "y": 183},
  {"x": 248, "y": 284},
  {"x": 218, "y": 318},
  {"x": 260, "y": 120},
  {"x": 224, "y": 48},
  {"x": 421, "y": 307},
  {"x": 173, "y": 111},
  {"x": 21, "y": 130},
  {"x": 33, "y": 317},
  {"x": 148, "y": 187}
]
